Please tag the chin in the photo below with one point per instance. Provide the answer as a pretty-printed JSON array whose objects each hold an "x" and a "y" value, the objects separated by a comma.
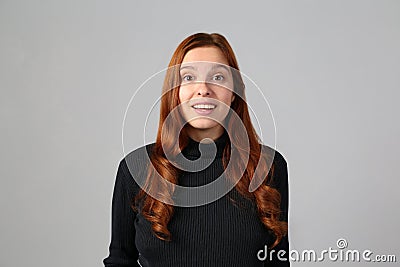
[{"x": 203, "y": 124}]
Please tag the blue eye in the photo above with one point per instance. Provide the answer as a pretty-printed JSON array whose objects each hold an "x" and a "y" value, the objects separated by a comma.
[
  {"x": 218, "y": 77},
  {"x": 187, "y": 78}
]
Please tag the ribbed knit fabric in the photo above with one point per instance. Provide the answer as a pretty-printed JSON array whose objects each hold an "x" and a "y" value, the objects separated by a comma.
[{"x": 220, "y": 233}]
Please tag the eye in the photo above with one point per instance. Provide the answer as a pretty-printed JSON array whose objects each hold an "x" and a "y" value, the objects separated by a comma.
[
  {"x": 187, "y": 78},
  {"x": 218, "y": 77}
]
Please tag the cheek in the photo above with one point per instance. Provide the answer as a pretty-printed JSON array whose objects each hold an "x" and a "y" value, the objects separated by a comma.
[
  {"x": 227, "y": 97},
  {"x": 184, "y": 94}
]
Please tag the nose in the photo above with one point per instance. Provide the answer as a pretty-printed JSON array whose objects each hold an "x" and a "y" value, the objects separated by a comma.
[{"x": 203, "y": 89}]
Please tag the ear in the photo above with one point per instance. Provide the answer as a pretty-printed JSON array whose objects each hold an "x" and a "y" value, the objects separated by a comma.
[{"x": 233, "y": 97}]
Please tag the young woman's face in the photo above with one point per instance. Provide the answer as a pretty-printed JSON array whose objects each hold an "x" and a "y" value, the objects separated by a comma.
[{"x": 206, "y": 91}]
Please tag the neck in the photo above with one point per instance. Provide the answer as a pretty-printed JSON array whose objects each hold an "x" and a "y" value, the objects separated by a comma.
[
  {"x": 195, "y": 149},
  {"x": 199, "y": 134}
]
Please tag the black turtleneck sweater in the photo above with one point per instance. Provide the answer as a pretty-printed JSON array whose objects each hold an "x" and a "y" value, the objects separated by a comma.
[{"x": 216, "y": 234}]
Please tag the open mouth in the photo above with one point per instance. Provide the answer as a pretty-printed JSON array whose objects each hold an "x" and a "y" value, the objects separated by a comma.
[{"x": 204, "y": 106}]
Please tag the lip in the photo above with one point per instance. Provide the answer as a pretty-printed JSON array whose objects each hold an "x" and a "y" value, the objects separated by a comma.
[
  {"x": 203, "y": 103},
  {"x": 203, "y": 111}
]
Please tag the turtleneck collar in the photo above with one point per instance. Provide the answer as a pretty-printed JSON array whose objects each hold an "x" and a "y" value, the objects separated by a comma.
[{"x": 192, "y": 150}]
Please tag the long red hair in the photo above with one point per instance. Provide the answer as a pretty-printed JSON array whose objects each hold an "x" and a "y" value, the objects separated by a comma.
[{"x": 267, "y": 198}]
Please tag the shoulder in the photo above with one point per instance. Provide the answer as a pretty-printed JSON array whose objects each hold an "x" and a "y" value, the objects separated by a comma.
[
  {"x": 280, "y": 180},
  {"x": 133, "y": 166},
  {"x": 138, "y": 157},
  {"x": 277, "y": 156},
  {"x": 279, "y": 177}
]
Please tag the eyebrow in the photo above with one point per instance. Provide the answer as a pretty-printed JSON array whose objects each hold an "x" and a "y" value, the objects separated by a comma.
[
  {"x": 220, "y": 66},
  {"x": 186, "y": 67},
  {"x": 215, "y": 66}
]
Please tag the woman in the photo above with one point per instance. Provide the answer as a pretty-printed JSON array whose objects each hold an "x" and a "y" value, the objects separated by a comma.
[{"x": 205, "y": 133}]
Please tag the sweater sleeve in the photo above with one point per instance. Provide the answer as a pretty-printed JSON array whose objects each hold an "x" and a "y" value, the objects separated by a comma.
[
  {"x": 281, "y": 183},
  {"x": 122, "y": 249}
]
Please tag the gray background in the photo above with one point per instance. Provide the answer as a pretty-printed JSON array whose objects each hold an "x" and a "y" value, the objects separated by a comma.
[{"x": 329, "y": 69}]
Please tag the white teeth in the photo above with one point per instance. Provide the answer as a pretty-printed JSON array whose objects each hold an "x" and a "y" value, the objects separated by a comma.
[{"x": 204, "y": 106}]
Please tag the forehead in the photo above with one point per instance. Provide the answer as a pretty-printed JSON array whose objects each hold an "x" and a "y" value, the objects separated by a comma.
[
  {"x": 204, "y": 66},
  {"x": 209, "y": 53}
]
